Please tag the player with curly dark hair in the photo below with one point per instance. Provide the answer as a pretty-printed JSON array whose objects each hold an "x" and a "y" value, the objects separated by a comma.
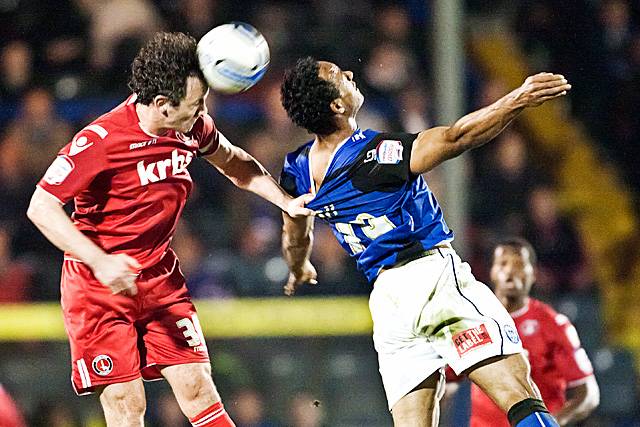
[
  {"x": 126, "y": 306},
  {"x": 162, "y": 67},
  {"x": 307, "y": 98},
  {"x": 427, "y": 308}
]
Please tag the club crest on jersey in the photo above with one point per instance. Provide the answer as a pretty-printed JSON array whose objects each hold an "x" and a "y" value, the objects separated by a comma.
[
  {"x": 512, "y": 334},
  {"x": 102, "y": 365},
  {"x": 389, "y": 152},
  {"x": 470, "y": 339},
  {"x": 59, "y": 170}
]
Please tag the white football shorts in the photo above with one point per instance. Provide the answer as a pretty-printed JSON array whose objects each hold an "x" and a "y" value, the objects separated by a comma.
[{"x": 430, "y": 313}]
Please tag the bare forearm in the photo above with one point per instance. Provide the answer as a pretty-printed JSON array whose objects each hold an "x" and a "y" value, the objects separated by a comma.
[
  {"x": 297, "y": 240},
  {"x": 572, "y": 411},
  {"x": 581, "y": 401},
  {"x": 297, "y": 253},
  {"x": 481, "y": 126},
  {"x": 51, "y": 219},
  {"x": 247, "y": 173}
]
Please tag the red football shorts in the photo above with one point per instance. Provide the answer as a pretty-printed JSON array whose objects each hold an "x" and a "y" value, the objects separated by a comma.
[{"x": 117, "y": 338}]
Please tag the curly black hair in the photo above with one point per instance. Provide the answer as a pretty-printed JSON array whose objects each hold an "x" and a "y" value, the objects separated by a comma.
[
  {"x": 162, "y": 66},
  {"x": 307, "y": 98}
]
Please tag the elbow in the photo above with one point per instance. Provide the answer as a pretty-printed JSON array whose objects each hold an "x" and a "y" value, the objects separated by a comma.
[
  {"x": 593, "y": 400},
  {"x": 38, "y": 211},
  {"x": 34, "y": 211}
]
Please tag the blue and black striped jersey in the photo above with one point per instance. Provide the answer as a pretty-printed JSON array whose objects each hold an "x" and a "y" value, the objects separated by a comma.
[{"x": 379, "y": 211}]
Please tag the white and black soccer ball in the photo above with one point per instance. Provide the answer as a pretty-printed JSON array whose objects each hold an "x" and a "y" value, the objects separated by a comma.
[{"x": 233, "y": 57}]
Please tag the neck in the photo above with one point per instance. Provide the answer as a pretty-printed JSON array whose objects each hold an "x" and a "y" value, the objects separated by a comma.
[
  {"x": 514, "y": 304},
  {"x": 151, "y": 121},
  {"x": 343, "y": 132}
]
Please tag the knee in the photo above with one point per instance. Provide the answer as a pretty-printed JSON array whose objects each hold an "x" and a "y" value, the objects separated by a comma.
[
  {"x": 199, "y": 387},
  {"x": 127, "y": 402}
]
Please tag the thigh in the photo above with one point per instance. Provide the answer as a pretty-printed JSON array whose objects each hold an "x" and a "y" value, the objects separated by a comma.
[
  {"x": 465, "y": 321},
  {"x": 419, "y": 407},
  {"x": 506, "y": 380},
  {"x": 101, "y": 332},
  {"x": 405, "y": 357},
  {"x": 170, "y": 332}
]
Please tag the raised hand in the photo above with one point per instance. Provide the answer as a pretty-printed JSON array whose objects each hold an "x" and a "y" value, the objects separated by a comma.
[{"x": 542, "y": 87}]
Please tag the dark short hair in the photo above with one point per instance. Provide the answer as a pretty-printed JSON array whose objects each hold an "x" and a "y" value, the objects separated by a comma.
[
  {"x": 307, "y": 97},
  {"x": 162, "y": 66},
  {"x": 517, "y": 244}
]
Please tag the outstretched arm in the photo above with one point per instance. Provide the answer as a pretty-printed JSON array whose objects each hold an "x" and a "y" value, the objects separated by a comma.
[
  {"x": 434, "y": 146},
  {"x": 297, "y": 238},
  {"x": 247, "y": 173},
  {"x": 581, "y": 401}
]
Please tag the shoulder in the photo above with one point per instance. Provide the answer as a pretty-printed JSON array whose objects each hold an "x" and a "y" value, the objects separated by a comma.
[
  {"x": 114, "y": 122},
  {"x": 542, "y": 309},
  {"x": 293, "y": 159}
]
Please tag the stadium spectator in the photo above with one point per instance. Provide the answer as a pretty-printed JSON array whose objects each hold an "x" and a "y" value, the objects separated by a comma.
[
  {"x": 502, "y": 180},
  {"x": 562, "y": 264},
  {"x": 205, "y": 273},
  {"x": 15, "y": 276},
  {"x": 113, "y": 21},
  {"x": 16, "y": 70},
  {"x": 305, "y": 410},
  {"x": 248, "y": 409},
  {"x": 166, "y": 412}
]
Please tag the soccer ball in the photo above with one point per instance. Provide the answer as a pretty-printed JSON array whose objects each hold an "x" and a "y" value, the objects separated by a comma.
[{"x": 233, "y": 57}]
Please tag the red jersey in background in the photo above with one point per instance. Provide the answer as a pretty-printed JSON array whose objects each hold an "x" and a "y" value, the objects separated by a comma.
[
  {"x": 9, "y": 413},
  {"x": 557, "y": 360}
]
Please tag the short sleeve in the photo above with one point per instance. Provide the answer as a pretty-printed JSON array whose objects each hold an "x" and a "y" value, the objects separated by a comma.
[
  {"x": 76, "y": 165},
  {"x": 384, "y": 163},
  {"x": 571, "y": 357},
  {"x": 393, "y": 154},
  {"x": 205, "y": 132}
]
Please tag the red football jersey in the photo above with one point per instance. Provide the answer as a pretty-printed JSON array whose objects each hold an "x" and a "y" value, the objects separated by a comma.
[
  {"x": 129, "y": 186},
  {"x": 9, "y": 413},
  {"x": 557, "y": 360}
]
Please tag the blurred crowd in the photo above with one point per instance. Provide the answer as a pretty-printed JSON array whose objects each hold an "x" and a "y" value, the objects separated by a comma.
[{"x": 64, "y": 62}]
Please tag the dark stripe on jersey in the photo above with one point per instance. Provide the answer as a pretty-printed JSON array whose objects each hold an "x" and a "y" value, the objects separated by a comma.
[
  {"x": 372, "y": 176},
  {"x": 455, "y": 276}
]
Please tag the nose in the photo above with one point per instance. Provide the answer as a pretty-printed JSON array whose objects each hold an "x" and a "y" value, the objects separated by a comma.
[{"x": 349, "y": 74}]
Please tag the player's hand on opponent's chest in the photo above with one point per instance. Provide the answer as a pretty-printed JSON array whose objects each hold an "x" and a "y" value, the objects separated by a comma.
[
  {"x": 295, "y": 208},
  {"x": 118, "y": 272},
  {"x": 306, "y": 275}
]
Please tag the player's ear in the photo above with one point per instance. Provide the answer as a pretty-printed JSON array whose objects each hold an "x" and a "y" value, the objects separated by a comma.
[
  {"x": 337, "y": 106},
  {"x": 161, "y": 102}
]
